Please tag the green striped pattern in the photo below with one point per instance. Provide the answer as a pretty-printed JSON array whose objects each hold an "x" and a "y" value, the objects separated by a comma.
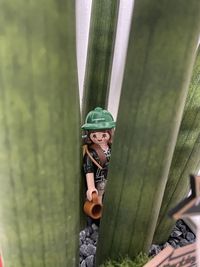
[
  {"x": 159, "y": 63},
  {"x": 186, "y": 158},
  {"x": 100, "y": 53},
  {"x": 39, "y": 136}
]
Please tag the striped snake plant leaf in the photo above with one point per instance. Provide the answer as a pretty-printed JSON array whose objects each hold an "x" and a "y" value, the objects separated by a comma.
[
  {"x": 159, "y": 63},
  {"x": 39, "y": 137},
  {"x": 186, "y": 158},
  {"x": 102, "y": 33}
]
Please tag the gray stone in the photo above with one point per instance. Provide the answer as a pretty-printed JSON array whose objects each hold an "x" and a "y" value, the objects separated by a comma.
[
  {"x": 182, "y": 228},
  {"x": 91, "y": 249},
  {"x": 176, "y": 233},
  {"x": 90, "y": 261},
  {"x": 172, "y": 243},
  {"x": 89, "y": 241},
  {"x": 83, "y": 264},
  {"x": 180, "y": 224},
  {"x": 87, "y": 250},
  {"x": 83, "y": 250},
  {"x": 154, "y": 250},
  {"x": 81, "y": 259},
  {"x": 82, "y": 235},
  {"x": 176, "y": 240},
  {"x": 95, "y": 227},
  {"x": 183, "y": 242},
  {"x": 190, "y": 236},
  {"x": 94, "y": 236},
  {"x": 88, "y": 231},
  {"x": 80, "y": 242}
]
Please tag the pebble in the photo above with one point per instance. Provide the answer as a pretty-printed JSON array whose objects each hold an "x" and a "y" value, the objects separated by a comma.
[
  {"x": 88, "y": 238},
  {"x": 83, "y": 264},
  {"x": 90, "y": 261},
  {"x": 180, "y": 236}
]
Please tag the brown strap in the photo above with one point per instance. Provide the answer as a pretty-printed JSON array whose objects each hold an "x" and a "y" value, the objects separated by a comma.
[
  {"x": 92, "y": 159},
  {"x": 100, "y": 153}
]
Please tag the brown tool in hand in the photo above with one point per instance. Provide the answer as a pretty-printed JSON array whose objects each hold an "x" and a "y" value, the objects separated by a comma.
[{"x": 93, "y": 208}]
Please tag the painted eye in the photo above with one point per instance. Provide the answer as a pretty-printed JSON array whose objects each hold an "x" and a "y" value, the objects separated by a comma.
[
  {"x": 94, "y": 136},
  {"x": 104, "y": 135}
]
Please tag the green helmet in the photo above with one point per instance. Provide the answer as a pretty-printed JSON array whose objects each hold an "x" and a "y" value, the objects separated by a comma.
[{"x": 98, "y": 119}]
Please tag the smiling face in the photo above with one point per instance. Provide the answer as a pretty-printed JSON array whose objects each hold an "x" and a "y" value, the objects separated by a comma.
[{"x": 100, "y": 138}]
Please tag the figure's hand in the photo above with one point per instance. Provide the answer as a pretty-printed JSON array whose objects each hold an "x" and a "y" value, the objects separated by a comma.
[{"x": 89, "y": 193}]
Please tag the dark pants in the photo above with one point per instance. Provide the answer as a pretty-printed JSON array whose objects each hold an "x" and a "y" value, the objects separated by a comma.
[{"x": 90, "y": 221}]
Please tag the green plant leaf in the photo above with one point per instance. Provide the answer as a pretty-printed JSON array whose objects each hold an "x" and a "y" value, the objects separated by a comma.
[
  {"x": 160, "y": 57},
  {"x": 40, "y": 135},
  {"x": 139, "y": 261},
  {"x": 100, "y": 53},
  {"x": 186, "y": 158}
]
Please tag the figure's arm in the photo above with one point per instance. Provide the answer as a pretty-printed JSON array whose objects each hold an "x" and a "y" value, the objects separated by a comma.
[
  {"x": 90, "y": 185},
  {"x": 89, "y": 170}
]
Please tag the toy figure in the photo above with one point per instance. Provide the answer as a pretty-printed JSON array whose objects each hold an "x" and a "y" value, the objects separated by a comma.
[{"x": 99, "y": 126}]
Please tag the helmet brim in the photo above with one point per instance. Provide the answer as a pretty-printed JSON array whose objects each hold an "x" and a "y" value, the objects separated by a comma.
[{"x": 99, "y": 126}]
